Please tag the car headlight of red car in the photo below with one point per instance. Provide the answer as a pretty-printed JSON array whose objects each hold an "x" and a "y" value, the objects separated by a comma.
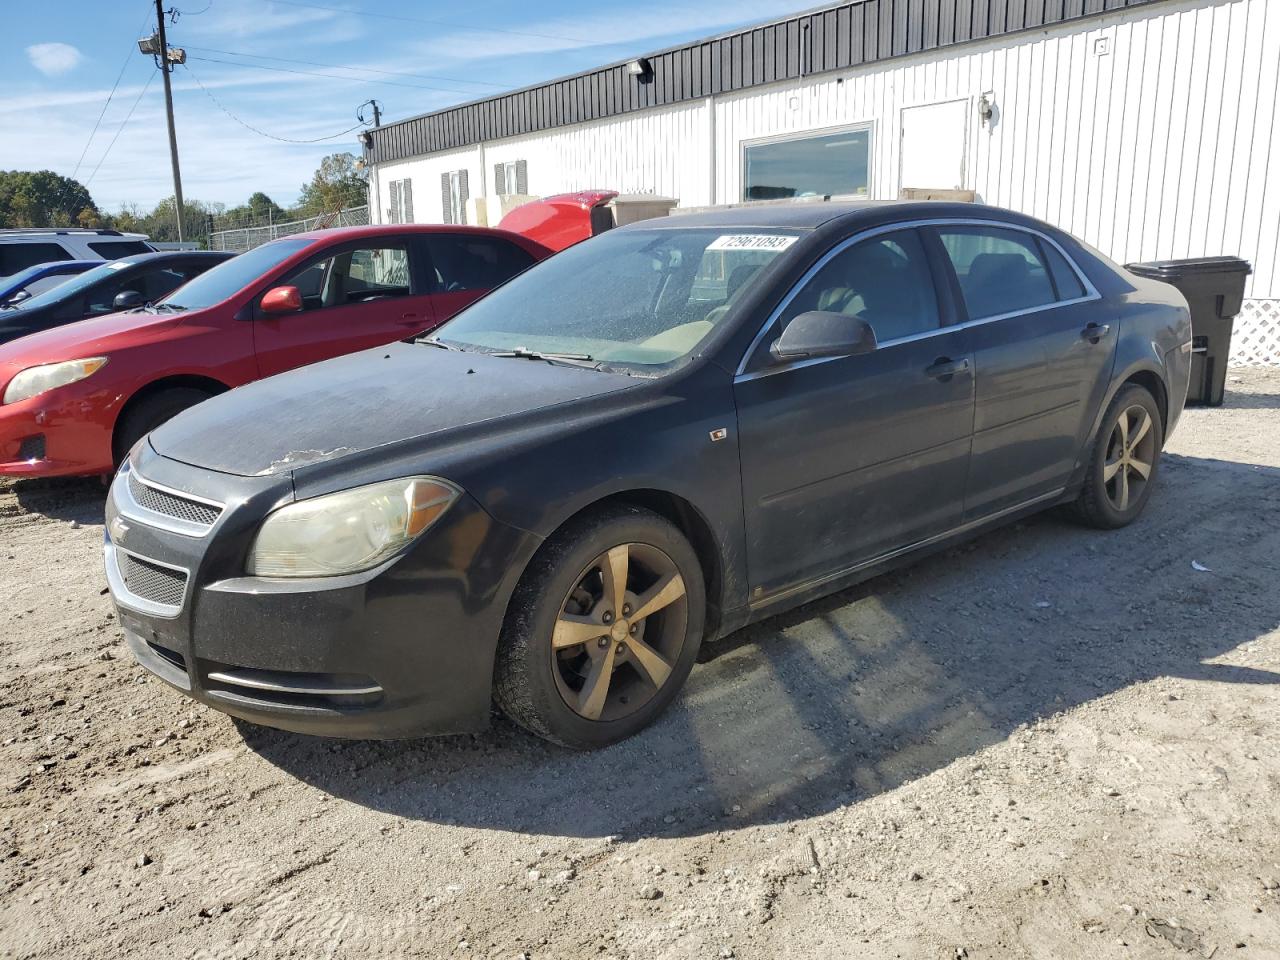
[
  {"x": 348, "y": 531},
  {"x": 37, "y": 380}
]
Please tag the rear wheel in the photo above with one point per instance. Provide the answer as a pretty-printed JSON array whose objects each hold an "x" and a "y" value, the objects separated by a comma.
[
  {"x": 603, "y": 629},
  {"x": 149, "y": 413},
  {"x": 1124, "y": 461}
]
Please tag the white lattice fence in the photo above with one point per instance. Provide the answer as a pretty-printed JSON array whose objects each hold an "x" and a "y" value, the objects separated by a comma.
[{"x": 1255, "y": 338}]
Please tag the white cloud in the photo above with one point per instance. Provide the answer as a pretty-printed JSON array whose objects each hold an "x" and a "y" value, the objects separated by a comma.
[{"x": 54, "y": 59}]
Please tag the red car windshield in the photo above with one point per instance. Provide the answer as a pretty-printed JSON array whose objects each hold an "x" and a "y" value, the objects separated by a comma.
[{"x": 230, "y": 277}]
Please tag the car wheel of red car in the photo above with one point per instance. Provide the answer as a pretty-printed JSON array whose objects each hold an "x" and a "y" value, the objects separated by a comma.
[
  {"x": 145, "y": 415},
  {"x": 603, "y": 629}
]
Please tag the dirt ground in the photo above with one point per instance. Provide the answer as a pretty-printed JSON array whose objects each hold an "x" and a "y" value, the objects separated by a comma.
[{"x": 1051, "y": 742}]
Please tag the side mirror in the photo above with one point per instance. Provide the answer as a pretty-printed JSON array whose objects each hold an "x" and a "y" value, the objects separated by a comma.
[
  {"x": 127, "y": 300},
  {"x": 282, "y": 300},
  {"x": 819, "y": 333}
]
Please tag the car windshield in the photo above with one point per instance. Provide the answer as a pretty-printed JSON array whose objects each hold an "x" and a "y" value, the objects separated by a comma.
[
  {"x": 73, "y": 285},
  {"x": 231, "y": 276},
  {"x": 630, "y": 297}
]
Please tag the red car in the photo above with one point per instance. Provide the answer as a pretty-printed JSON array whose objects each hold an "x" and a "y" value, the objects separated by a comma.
[{"x": 75, "y": 399}]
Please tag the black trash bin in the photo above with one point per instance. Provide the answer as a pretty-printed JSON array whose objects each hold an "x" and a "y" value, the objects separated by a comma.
[{"x": 1214, "y": 288}]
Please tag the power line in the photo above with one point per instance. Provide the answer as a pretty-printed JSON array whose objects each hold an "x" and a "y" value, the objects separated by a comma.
[
  {"x": 97, "y": 123},
  {"x": 263, "y": 133},
  {"x": 327, "y": 76},
  {"x": 127, "y": 118},
  {"x": 434, "y": 23},
  {"x": 343, "y": 66}
]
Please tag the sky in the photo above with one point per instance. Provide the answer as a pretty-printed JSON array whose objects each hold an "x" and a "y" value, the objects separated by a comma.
[{"x": 261, "y": 72}]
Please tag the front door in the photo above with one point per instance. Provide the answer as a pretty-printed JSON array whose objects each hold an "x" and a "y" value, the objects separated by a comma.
[
  {"x": 1044, "y": 359},
  {"x": 360, "y": 295},
  {"x": 847, "y": 459}
]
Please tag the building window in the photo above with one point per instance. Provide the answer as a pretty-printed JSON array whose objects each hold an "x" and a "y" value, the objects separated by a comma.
[
  {"x": 509, "y": 178},
  {"x": 824, "y": 164},
  {"x": 454, "y": 193},
  {"x": 401, "y": 209}
]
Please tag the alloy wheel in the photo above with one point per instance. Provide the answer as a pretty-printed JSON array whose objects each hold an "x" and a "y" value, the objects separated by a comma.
[
  {"x": 1131, "y": 454},
  {"x": 620, "y": 632}
]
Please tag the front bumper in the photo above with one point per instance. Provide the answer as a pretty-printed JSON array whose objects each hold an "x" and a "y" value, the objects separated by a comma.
[
  {"x": 64, "y": 433},
  {"x": 403, "y": 650}
]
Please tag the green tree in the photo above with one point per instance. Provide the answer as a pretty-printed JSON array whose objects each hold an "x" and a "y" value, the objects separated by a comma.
[
  {"x": 262, "y": 207},
  {"x": 336, "y": 184},
  {"x": 43, "y": 198}
]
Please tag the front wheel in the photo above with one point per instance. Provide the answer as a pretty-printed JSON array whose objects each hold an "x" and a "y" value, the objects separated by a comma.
[
  {"x": 149, "y": 413},
  {"x": 603, "y": 629},
  {"x": 1124, "y": 460}
]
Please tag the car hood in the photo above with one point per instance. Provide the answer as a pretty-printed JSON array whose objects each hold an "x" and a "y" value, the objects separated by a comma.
[
  {"x": 72, "y": 341},
  {"x": 352, "y": 404}
]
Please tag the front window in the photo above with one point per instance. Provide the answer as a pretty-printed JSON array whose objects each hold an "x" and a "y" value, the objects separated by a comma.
[
  {"x": 232, "y": 276},
  {"x": 353, "y": 276},
  {"x": 829, "y": 164},
  {"x": 630, "y": 297}
]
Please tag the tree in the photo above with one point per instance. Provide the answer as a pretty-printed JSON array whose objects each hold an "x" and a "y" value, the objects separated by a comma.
[
  {"x": 337, "y": 184},
  {"x": 43, "y": 198},
  {"x": 262, "y": 207}
]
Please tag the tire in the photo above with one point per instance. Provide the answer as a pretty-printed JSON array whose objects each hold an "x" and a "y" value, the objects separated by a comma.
[
  {"x": 149, "y": 413},
  {"x": 1115, "y": 492},
  {"x": 548, "y": 670}
]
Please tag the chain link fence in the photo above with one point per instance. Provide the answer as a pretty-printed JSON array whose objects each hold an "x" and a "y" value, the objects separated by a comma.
[{"x": 241, "y": 239}]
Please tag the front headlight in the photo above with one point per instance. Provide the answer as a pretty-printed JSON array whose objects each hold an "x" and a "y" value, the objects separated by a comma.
[
  {"x": 349, "y": 531},
  {"x": 35, "y": 380}
]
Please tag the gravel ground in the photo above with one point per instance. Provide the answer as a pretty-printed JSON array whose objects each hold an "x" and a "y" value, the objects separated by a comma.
[{"x": 1051, "y": 742}]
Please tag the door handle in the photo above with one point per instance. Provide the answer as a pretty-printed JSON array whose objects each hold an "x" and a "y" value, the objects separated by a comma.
[
  {"x": 944, "y": 368},
  {"x": 1095, "y": 332}
]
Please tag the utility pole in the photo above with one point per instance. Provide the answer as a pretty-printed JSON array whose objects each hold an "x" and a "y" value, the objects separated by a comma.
[{"x": 158, "y": 46}]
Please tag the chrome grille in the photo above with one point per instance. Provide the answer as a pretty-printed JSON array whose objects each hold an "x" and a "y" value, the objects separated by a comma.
[
  {"x": 152, "y": 582},
  {"x": 170, "y": 505}
]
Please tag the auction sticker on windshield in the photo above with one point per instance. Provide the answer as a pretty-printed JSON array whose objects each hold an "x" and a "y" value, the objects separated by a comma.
[{"x": 751, "y": 241}]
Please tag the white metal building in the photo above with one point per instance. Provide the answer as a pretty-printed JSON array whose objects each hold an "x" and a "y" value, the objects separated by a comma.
[{"x": 1145, "y": 127}]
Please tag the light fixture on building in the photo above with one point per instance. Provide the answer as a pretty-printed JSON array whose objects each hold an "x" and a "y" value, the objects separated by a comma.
[
  {"x": 640, "y": 68},
  {"x": 986, "y": 107}
]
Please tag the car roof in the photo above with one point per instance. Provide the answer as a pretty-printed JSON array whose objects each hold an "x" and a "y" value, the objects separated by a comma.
[
  {"x": 393, "y": 229},
  {"x": 162, "y": 256},
  {"x": 19, "y": 234},
  {"x": 812, "y": 214},
  {"x": 56, "y": 266}
]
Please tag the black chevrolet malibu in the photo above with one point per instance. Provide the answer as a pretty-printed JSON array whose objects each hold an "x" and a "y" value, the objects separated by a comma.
[{"x": 637, "y": 446}]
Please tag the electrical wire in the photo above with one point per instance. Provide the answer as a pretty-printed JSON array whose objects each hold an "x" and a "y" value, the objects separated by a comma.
[
  {"x": 97, "y": 123},
  {"x": 434, "y": 23},
  {"x": 343, "y": 66},
  {"x": 263, "y": 133},
  {"x": 326, "y": 76},
  {"x": 120, "y": 130}
]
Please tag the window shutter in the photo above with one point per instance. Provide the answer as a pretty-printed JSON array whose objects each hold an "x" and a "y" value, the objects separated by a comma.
[
  {"x": 395, "y": 201},
  {"x": 406, "y": 194},
  {"x": 522, "y": 176},
  {"x": 499, "y": 181},
  {"x": 464, "y": 194},
  {"x": 447, "y": 200}
]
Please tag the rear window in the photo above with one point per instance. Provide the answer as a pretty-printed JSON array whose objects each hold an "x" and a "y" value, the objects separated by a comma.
[
  {"x": 115, "y": 249},
  {"x": 474, "y": 263},
  {"x": 19, "y": 256}
]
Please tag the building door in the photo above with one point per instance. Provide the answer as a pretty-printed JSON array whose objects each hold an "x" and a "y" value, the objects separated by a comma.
[{"x": 934, "y": 145}]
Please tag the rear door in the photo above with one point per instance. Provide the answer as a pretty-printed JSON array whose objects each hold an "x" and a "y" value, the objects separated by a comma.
[
  {"x": 846, "y": 459},
  {"x": 355, "y": 295},
  {"x": 1044, "y": 354},
  {"x": 464, "y": 267}
]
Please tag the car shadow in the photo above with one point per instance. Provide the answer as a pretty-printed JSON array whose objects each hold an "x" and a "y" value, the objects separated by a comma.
[
  {"x": 857, "y": 693},
  {"x": 1240, "y": 400},
  {"x": 80, "y": 499}
]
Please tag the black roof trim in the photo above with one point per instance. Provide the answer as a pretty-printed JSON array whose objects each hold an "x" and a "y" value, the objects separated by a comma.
[{"x": 817, "y": 41}]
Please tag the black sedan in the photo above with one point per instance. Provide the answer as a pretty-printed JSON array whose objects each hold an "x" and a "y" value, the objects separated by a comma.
[
  {"x": 115, "y": 285},
  {"x": 640, "y": 445}
]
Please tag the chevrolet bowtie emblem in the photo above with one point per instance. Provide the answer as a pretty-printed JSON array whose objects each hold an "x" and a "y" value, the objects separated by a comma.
[{"x": 118, "y": 529}]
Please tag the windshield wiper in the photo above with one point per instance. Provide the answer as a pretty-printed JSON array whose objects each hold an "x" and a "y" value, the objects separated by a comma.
[
  {"x": 573, "y": 359},
  {"x": 433, "y": 342},
  {"x": 176, "y": 307}
]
